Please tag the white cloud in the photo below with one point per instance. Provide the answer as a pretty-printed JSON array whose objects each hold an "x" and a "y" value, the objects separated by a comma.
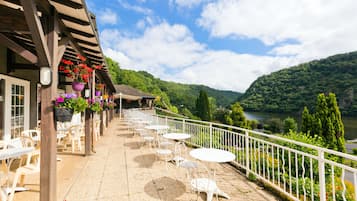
[
  {"x": 171, "y": 53},
  {"x": 138, "y": 9},
  {"x": 320, "y": 27},
  {"x": 107, "y": 16}
]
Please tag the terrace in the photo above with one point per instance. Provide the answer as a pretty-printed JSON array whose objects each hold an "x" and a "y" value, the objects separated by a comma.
[{"x": 122, "y": 169}]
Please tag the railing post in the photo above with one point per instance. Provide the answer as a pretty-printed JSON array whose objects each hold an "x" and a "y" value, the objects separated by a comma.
[
  {"x": 183, "y": 125},
  {"x": 247, "y": 152},
  {"x": 322, "y": 175},
  {"x": 166, "y": 121},
  {"x": 210, "y": 135}
]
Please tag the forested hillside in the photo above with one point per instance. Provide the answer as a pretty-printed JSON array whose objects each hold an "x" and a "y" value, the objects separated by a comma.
[
  {"x": 181, "y": 96},
  {"x": 289, "y": 90}
]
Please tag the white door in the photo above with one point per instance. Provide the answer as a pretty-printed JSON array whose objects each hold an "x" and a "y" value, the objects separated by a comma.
[{"x": 17, "y": 106}]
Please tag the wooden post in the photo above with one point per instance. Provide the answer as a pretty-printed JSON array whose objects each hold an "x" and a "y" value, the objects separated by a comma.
[
  {"x": 88, "y": 137},
  {"x": 101, "y": 123},
  {"x": 47, "y": 52},
  {"x": 107, "y": 118}
]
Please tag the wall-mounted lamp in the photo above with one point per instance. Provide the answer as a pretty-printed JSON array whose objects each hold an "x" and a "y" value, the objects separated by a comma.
[
  {"x": 87, "y": 93},
  {"x": 45, "y": 75}
]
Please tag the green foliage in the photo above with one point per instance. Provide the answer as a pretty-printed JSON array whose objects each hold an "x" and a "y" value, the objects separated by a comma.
[
  {"x": 252, "y": 177},
  {"x": 96, "y": 107},
  {"x": 169, "y": 93},
  {"x": 274, "y": 125},
  {"x": 289, "y": 90},
  {"x": 79, "y": 105},
  {"x": 289, "y": 124},
  {"x": 325, "y": 122},
  {"x": 113, "y": 69},
  {"x": 203, "y": 106},
  {"x": 219, "y": 114},
  {"x": 236, "y": 116},
  {"x": 354, "y": 151}
]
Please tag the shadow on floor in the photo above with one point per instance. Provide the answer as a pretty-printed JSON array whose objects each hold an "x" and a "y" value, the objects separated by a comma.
[
  {"x": 145, "y": 160},
  {"x": 133, "y": 145},
  {"x": 126, "y": 135},
  {"x": 165, "y": 188}
]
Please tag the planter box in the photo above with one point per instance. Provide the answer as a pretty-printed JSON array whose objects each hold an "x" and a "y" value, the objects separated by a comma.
[{"x": 63, "y": 114}]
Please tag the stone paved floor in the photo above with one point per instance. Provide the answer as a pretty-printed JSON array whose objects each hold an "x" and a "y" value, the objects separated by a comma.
[{"x": 122, "y": 170}]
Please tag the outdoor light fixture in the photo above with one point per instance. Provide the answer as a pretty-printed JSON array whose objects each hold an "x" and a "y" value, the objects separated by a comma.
[
  {"x": 45, "y": 75},
  {"x": 86, "y": 93}
]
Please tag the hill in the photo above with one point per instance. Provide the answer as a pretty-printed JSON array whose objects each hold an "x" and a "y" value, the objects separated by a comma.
[
  {"x": 289, "y": 90},
  {"x": 171, "y": 94}
]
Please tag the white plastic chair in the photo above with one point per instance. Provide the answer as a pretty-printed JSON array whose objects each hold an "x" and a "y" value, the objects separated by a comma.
[
  {"x": 75, "y": 133},
  {"x": 203, "y": 182},
  {"x": 35, "y": 135},
  {"x": 163, "y": 151},
  {"x": 32, "y": 166}
]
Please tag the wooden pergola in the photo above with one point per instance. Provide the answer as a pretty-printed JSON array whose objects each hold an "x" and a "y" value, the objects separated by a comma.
[{"x": 43, "y": 32}]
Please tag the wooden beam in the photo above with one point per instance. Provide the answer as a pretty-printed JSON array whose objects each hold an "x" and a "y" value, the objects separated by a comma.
[
  {"x": 18, "y": 49},
  {"x": 69, "y": 3},
  {"x": 12, "y": 20},
  {"x": 62, "y": 45},
  {"x": 82, "y": 33},
  {"x": 86, "y": 42},
  {"x": 37, "y": 32},
  {"x": 73, "y": 19},
  {"x": 24, "y": 66},
  {"x": 90, "y": 50},
  {"x": 48, "y": 173}
]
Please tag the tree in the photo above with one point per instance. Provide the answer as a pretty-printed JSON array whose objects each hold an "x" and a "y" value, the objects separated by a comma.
[
  {"x": 274, "y": 125},
  {"x": 236, "y": 117},
  {"x": 113, "y": 70},
  {"x": 202, "y": 106},
  {"x": 289, "y": 124},
  {"x": 325, "y": 122}
]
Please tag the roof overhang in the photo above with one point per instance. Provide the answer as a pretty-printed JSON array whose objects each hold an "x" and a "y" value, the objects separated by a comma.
[{"x": 77, "y": 31}]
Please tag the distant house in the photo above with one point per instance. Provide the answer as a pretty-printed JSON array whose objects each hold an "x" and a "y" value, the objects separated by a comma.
[{"x": 132, "y": 97}]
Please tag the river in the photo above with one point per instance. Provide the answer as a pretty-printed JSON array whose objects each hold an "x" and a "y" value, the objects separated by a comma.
[{"x": 350, "y": 123}]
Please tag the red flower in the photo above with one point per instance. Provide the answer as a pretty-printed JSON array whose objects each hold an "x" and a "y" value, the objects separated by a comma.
[
  {"x": 98, "y": 67},
  {"x": 89, "y": 70},
  {"x": 82, "y": 65},
  {"x": 82, "y": 58},
  {"x": 76, "y": 70},
  {"x": 61, "y": 68},
  {"x": 69, "y": 75},
  {"x": 67, "y": 71},
  {"x": 67, "y": 62}
]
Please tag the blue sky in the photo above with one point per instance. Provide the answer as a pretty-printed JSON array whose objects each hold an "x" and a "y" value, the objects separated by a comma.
[{"x": 225, "y": 44}]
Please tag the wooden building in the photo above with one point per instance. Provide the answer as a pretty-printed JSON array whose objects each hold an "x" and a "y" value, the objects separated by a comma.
[{"x": 34, "y": 36}]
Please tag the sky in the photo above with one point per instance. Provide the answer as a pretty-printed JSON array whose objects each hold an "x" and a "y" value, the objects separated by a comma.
[{"x": 224, "y": 44}]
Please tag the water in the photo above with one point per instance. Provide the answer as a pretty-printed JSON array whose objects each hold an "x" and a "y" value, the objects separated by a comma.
[{"x": 349, "y": 122}]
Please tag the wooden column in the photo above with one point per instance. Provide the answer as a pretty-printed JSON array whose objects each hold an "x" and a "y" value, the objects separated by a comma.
[
  {"x": 88, "y": 137},
  {"x": 101, "y": 124},
  {"x": 107, "y": 118},
  {"x": 47, "y": 52}
]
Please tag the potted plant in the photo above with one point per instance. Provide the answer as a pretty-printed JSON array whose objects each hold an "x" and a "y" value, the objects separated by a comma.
[
  {"x": 67, "y": 104},
  {"x": 79, "y": 71},
  {"x": 95, "y": 107}
]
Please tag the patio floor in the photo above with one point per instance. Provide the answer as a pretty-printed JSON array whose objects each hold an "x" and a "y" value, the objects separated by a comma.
[{"x": 121, "y": 170}]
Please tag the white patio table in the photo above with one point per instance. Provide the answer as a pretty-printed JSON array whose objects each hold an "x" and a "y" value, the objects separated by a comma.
[
  {"x": 10, "y": 154},
  {"x": 213, "y": 156},
  {"x": 157, "y": 128},
  {"x": 179, "y": 137}
]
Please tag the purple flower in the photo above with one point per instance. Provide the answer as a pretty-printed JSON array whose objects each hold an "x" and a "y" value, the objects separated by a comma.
[
  {"x": 60, "y": 100},
  {"x": 69, "y": 96}
]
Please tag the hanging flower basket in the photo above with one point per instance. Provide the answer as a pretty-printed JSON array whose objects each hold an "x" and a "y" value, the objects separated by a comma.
[
  {"x": 77, "y": 86},
  {"x": 63, "y": 114},
  {"x": 98, "y": 93}
]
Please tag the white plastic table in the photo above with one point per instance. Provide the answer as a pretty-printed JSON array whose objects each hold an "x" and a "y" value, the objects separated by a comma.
[
  {"x": 213, "y": 156},
  {"x": 11, "y": 153},
  {"x": 179, "y": 137},
  {"x": 157, "y": 127}
]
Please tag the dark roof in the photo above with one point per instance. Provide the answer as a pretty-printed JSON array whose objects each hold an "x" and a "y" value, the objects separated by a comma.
[
  {"x": 131, "y": 91},
  {"x": 75, "y": 21}
]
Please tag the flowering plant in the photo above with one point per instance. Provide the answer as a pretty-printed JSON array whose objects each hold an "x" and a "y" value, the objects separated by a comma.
[
  {"x": 99, "y": 86},
  {"x": 79, "y": 71},
  {"x": 72, "y": 102},
  {"x": 95, "y": 106}
]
